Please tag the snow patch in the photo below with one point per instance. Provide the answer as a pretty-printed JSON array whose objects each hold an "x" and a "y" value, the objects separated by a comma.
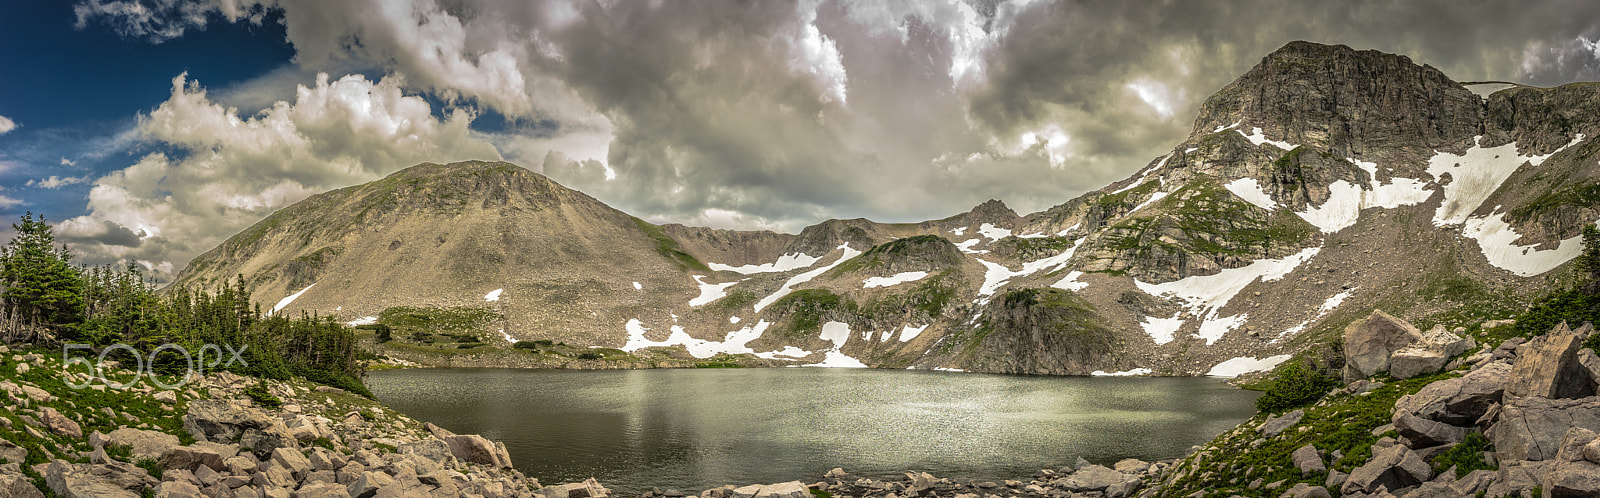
[
  {"x": 1204, "y": 295},
  {"x": 993, "y": 232},
  {"x": 636, "y": 286},
  {"x": 789, "y": 351},
  {"x": 1250, "y": 190},
  {"x": 733, "y": 343},
  {"x": 838, "y": 333},
  {"x": 959, "y": 231},
  {"x": 1245, "y": 364},
  {"x": 493, "y": 295},
  {"x": 966, "y": 246},
  {"x": 1334, "y": 302},
  {"x": 944, "y": 369},
  {"x": 908, "y": 333},
  {"x": 733, "y": 319},
  {"x": 1498, "y": 241},
  {"x": 1125, "y": 373},
  {"x": 784, "y": 263},
  {"x": 998, "y": 274},
  {"x": 1229, "y": 127},
  {"x": 1157, "y": 196},
  {"x": 508, "y": 337},
  {"x": 1256, "y": 137},
  {"x": 898, "y": 278},
  {"x": 710, "y": 292},
  {"x": 1064, "y": 233},
  {"x": 285, "y": 301},
  {"x": 1341, "y": 210},
  {"x": 1035, "y": 235},
  {"x": 1475, "y": 175},
  {"x": 1070, "y": 282},
  {"x": 1162, "y": 330},
  {"x": 806, "y": 277},
  {"x": 366, "y": 320}
]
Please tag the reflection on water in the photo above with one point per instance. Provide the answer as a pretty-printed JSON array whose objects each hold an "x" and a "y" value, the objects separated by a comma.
[{"x": 696, "y": 429}]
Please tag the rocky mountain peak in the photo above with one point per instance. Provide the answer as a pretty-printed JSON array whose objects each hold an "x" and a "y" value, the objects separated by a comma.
[{"x": 1353, "y": 103}]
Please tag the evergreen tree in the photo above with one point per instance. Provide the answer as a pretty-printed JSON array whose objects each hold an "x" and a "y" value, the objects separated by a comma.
[
  {"x": 42, "y": 288},
  {"x": 1588, "y": 264}
]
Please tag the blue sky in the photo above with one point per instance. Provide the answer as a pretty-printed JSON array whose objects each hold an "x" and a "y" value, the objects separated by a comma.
[{"x": 151, "y": 130}]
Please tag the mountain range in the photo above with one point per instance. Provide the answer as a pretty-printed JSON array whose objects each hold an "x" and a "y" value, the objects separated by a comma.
[{"x": 1322, "y": 184}]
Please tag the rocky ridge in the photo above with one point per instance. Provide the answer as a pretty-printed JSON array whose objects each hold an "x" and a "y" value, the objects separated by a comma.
[{"x": 1322, "y": 184}]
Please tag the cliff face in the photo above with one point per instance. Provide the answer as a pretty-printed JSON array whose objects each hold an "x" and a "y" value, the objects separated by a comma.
[{"x": 1322, "y": 184}]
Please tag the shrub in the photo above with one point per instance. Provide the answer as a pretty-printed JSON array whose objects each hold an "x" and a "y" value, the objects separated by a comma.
[
  {"x": 1465, "y": 457},
  {"x": 1294, "y": 384},
  {"x": 259, "y": 394}
]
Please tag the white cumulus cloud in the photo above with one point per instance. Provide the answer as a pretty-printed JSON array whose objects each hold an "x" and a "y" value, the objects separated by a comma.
[
  {"x": 6, "y": 125},
  {"x": 231, "y": 170}
]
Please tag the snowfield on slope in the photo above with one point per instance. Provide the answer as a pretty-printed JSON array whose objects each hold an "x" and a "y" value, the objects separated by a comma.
[
  {"x": 787, "y": 262},
  {"x": 1205, "y": 295},
  {"x": 282, "y": 303},
  {"x": 1245, "y": 364},
  {"x": 788, "y": 286},
  {"x": 898, "y": 278}
]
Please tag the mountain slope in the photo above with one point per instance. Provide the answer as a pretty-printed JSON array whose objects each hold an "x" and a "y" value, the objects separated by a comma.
[{"x": 1322, "y": 184}]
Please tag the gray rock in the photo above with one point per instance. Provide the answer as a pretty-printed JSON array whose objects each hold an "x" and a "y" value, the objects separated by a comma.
[
  {"x": 920, "y": 483},
  {"x": 369, "y": 483},
  {"x": 1548, "y": 367},
  {"x": 1458, "y": 401},
  {"x": 434, "y": 449},
  {"x": 1392, "y": 468},
  {"x": 10, "y": 452},
  {"x": 165, "y": 396},
  {"x": 1533, "y": 428},
  {"x": 322, "y": 490},
  {"x": 59, "y": 424},
  {"x": 1131, "y": 466},
  {"x": 178, "y": 489},
  {"x": 791, "y": 489},
  {"x": 1273, "y": 426},
  {"x": 1091, "y": 478},
  {"x": 85, "y": 480},
  {"x": 1411, "y": 362},
  {"x": 1474, "y": 482},
  {"x": 1573, "y": 479},
  {"x": 1369, "y": 342},
  {"x": 590, "y": 488},
  {"x": 189, "y": 457},
  {"x": 18, "y": 486},
  {"x": 143, "y": 443},
  {"x": 221, "y": 421},
  {"x": 1336, "y": 479},
  {"x": 1308, "y": 460},
  {"x": 1419, "y": 432},
  {"x": 291, "y": 460},
  {"x": 476, "y": 449},
  {"x": 1591, "y": 366},
  {"x": 1303, "y": 490}
]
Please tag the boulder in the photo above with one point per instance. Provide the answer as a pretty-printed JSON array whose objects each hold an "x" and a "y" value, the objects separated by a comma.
[
  {"x": 1548, "y": 367},
  {"x": 165, "y": 396},
  {"x": 1429, "y": 354},
  {"x": 1273, "y": 426},
  {"x": 476, "y": 449},
  {"x": 11, "y": 453},
  {"x": 1369, "y": 342},
  {"x": 434, "y": 449},
  {"x": 1394, "y": 467},
  {"x": 87, "y": 480},
  {"x": 18, "y": 486},
  {"x": 59, "y": 424},
  {"x": 1418, "y": 432},
  {"x": 1091, "y": 478},
  {"x": 1474, "y": 482},
  {"x": 220, "y": 421},
  {"x": 791, "y": 489},
  {"x": 1461, "y": 400},
  {"x": 1572, "y": 475},
  {"x": 1303, "y": 490},
  {"x": 189, "y": 457},
  {"x": 920, "y": 483},
  {"x": 145, "y": 444},
  {"x": 1533, "y": 428},
  {"x": 292, "y": 460},
  {"x": 591, "y": 488},
  {"x": 1516, "y": 477},
  {"x": 178, "y": 489},
  {"x": 1308, "y": 460},
  {"x": 322, "y": 490},
  {"x": 369, "y": 483}
]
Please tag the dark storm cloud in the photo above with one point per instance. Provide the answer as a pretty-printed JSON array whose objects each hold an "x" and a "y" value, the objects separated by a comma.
[{"x": 783, "y": 113}]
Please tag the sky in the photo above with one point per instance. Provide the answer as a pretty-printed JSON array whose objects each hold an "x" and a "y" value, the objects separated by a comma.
[{"x": 149, "y": 131}]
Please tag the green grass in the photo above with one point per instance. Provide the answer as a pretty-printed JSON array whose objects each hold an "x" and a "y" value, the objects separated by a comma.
[
  {"x": 807, "y": 307},
  {"x": 411, "y": 319},
  {"x": 1341, "y": 423},
  {"x": 669, "y": 248}
]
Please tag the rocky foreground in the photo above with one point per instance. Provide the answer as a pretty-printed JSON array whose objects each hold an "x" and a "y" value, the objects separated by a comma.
[{"x": 1423, "y": 415}]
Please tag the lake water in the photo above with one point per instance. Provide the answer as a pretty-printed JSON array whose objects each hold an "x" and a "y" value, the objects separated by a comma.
[{"x": 696, "y": 429}]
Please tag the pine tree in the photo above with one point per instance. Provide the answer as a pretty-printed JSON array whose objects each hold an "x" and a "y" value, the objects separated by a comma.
[
  {"x": 1588, "y": 264},
  {"x": 41, "y": 287}
]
